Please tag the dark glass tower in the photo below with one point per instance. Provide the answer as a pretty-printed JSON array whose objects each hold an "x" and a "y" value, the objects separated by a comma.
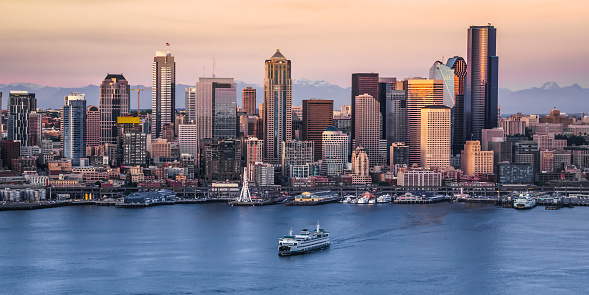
[
  {"x": 363, "y": 83},
  {"x": 482, "y": 76},
  {"x": 461, "y": 116},
  {"x": 385, "y": 88}
]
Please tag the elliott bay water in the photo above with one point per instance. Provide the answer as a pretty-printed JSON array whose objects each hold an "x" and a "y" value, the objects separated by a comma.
[{"x": 376, "y": 249}]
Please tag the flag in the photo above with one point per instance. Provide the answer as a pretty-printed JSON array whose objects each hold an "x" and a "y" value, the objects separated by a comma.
[{"x": 167, "y": 44}]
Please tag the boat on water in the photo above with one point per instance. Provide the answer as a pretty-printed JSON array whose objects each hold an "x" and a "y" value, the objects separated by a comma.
[
  {"x": 363, "y": 200},
  {"x": 367, "y": 198},
  {"x": 348, "y": 199},
  {"x": 304, "y": 243},
  {"x": 524, "y": 201},
  {"x": 384, "y": 199}
]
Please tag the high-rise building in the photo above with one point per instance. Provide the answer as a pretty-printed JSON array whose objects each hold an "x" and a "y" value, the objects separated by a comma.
[
  {"x": 334, "y": 152},
  {"x": 363, "y": 83},
  {"x": 386, "y": 85},
  {"x": 114, "y": 102},
  {"x": 74, "y": 128},
  {"x": 395, "y": 118},
  {"x": 360, "y": 166},
  {"x": 93, "y": 126},
  {"x": 295, "y": 152},
  {"x": 215, "y": 108},
  {"x": 367, "y": 128},
  {"x": 277, "y": 106},
  {"x": 462, "y": 108},
  {"x": 491, "y": 135},
  {"x": 317, "y": 116},
  {"x": 20, "y": 105},
  {"x": 187, "y": 140},
  {"x": 474, "y": 161},
  {"x": 10, "y": 149},
  {"x": 248, "y": 100},
  {"x": 35, "y": 129},
  {"x": 255, "y": 154},
  {"x": 482, "y": 76},
  {"x": 161, "y": 148},
  {"x": 132, "y": 143},
  {"x": 399, "y": 156},
  {"x": 435, "y": 136},
  {"x": 420, "y": 93},
  {"x": 190, "y": 104},
  {"x": 222, "y": 160},
  {"x": 439, "y": 71},
  {"x": 163, "y": 101}
]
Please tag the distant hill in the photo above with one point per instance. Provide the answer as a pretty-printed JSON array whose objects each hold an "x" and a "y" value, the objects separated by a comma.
[{"x": 570, "y": 99}]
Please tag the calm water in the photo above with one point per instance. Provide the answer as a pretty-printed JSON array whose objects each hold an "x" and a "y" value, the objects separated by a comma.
[{"x": 188, "y": 249}]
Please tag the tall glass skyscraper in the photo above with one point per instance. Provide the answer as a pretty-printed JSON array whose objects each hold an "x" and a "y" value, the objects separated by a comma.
[
  {"x": 363, "y": 83},
  {"x": 20, "y": 105},
  {"x": 163, "y": 101},
  {"x": 462, "y": 108},
  {"x": 114, "y": 102},
  {"x": 482, "y": 76},
  {"x": 74, "y": 127},
  {"x": 277, "y": 107}
]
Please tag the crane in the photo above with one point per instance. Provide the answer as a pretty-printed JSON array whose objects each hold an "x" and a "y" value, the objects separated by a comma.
[{"x": 138, "y": 99}]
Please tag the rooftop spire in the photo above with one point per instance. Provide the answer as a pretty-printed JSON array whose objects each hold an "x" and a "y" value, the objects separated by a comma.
[{"x": 278, "y": 55}]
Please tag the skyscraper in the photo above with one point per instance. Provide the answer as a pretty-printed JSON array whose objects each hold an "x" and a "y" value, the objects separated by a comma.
[
  {"x": 462, "y": 113},
  {"x": 255, "y": 151},
  {"x": 335, "y": 151},
  {"x": 163, "y": 102},
  {"x": 132, "y": 143},
  {"x": 20, "y": 105},
  {"x": 215, "y": 111},
  {"x": 92, "y": 126},
  {"x": 114, "y": 102},
  {"x": 363, "y": 83},
  {"x": 277, "y": 106},
  {"x": 190, "y": 100},
  {"x": 367, "y": 128},
  {"x": 386, "y": 85},
  {"x": 482, "y": 76},
  {"x": 35, "y": 129},
  {"x": 74, "y": 127},
  {"x": 317, "y": 115},
  {"x": 435, "y": 136},
  {"x": 420, "y": 93},
  {"x": 248, "y": 100},
  {"x": 395, "y": 118},
  {"x": 360, "y": 166}
]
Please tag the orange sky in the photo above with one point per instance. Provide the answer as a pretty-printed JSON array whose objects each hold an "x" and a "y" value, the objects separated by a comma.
[{"x": 76, "y": 42}]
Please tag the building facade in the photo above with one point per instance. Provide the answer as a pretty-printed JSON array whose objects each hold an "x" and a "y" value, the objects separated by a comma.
[
  {"x": 461, "y": 116},
  {"x": 420, "y": 93},
  {"x": 20, "y": 105},
  {"x": 482, "y": 79},
  {"x": 74, "y": 128},
  {"x": 248, "y": 100},
  {"x": 435, "y": 136},
  {"x": 114, "y": 102},
  {"x": 317, "y": 116},
  {"x": 163, "y": 97},
  {"x": 334, "y": 152},
  {"x": 296, "y": 152},
  {"x": 474, "y": 161},
  {"x": 368, "y": 128},
  {"x": 363, "y": 83},
  {"x": 277, "y": 106}
]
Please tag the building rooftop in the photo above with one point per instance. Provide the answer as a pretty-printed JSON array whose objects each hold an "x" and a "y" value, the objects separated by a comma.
[
  {"x": 278, "y": 55},
  {"x": 114, "y": 76}
]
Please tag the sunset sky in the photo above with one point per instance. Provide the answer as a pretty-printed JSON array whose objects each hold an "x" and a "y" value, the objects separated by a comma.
[{"x": 75, "y": 43}]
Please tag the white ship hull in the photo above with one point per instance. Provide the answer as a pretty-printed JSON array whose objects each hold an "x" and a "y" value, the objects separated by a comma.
[
  {"x": 524, "y": 202},
  {"x": 304, "y": 243}
]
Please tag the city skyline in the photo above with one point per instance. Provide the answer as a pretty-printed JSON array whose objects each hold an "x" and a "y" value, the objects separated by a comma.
[{"x": 78, "y": 53}]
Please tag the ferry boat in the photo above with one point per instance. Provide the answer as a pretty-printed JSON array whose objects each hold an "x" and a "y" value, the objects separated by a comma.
[
  {"x": 348, "y": 199},
  {"x": 303, "y": 243},
  {"x": 524, "y": 202}
]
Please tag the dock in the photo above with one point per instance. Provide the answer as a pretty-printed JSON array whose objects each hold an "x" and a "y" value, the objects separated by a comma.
[{"x": 252, "y": 202}]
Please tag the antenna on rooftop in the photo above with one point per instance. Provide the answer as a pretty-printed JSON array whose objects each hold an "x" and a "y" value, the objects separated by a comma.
[{"x": 214, "y": 65}]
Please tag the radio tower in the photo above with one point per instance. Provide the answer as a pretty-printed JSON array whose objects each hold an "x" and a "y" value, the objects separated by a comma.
[{"x": 245, "y": 195}]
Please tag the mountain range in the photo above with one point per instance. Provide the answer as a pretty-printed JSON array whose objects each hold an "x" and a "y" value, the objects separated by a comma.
[{"x": 569, "y": 99}]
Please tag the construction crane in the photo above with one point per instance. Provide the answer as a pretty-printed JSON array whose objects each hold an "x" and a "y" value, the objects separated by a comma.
[{"x": 139, "y": 99}]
